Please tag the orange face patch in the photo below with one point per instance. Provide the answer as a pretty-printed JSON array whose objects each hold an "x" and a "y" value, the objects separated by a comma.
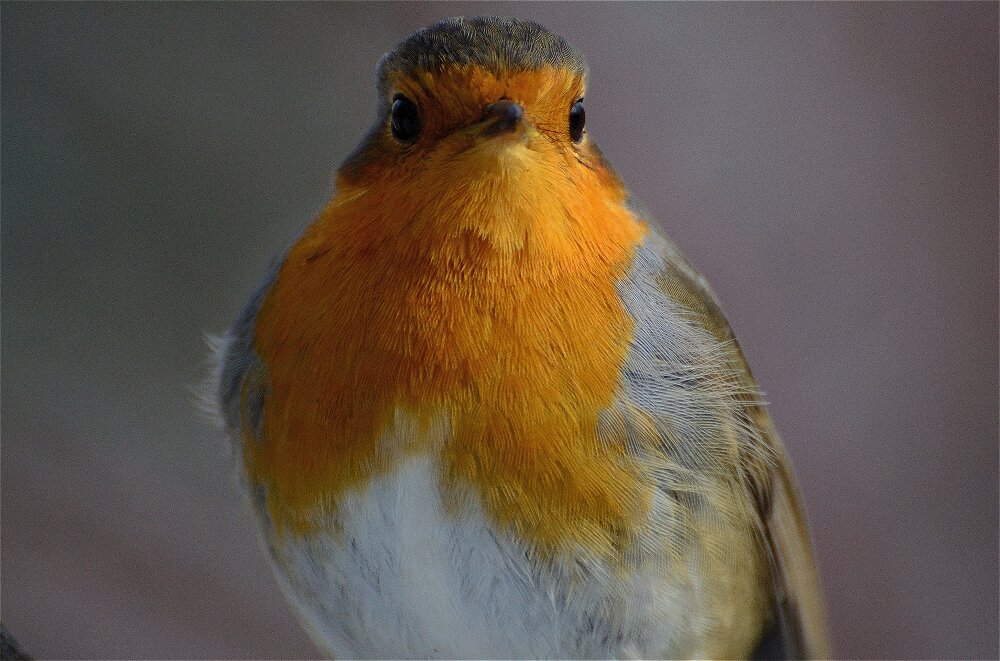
[{"x": 475, "y": 283}]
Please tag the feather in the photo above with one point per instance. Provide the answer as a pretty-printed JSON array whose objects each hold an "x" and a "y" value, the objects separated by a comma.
[{"x": 797, "y": 626}]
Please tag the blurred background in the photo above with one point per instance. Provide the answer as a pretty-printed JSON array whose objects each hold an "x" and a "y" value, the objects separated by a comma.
[{"x": 831, "y": 168}]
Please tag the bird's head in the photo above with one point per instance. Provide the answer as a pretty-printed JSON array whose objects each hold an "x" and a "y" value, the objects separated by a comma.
[{"x": 484, "y": 118}]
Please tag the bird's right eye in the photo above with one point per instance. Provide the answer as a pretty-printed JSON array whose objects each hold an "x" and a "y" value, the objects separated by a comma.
[
  {"x": 577, "y": 118},
  {"x": 405, "y": 119}
]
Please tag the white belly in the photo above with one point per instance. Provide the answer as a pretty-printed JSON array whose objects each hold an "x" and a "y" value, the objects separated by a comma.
[{"x": 406, "y": 578}]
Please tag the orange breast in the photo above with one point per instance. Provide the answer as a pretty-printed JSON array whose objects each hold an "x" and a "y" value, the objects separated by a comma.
[{"x": 497, "y": 312}]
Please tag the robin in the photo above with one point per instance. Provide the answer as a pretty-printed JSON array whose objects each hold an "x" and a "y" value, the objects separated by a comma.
[{"x": 484, "y": 409}]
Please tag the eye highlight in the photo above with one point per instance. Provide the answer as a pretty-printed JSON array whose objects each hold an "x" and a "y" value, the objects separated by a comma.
[
  {"x": 577, "y": 118},
  {"x": 405, "y": 119}
]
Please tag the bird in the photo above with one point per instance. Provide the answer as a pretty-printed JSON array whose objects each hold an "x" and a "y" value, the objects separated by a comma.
[{"x": 484, "y": 407}]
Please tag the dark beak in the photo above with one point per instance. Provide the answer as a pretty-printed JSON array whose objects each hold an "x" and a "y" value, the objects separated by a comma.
[{"x": 504, "y": 116}]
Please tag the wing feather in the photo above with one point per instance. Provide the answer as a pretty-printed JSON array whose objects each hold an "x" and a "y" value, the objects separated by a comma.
[{"x": 797, "y": 628}]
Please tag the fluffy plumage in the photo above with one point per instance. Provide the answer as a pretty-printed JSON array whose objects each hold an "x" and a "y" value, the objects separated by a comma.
[{"x": 486, "y": 410}]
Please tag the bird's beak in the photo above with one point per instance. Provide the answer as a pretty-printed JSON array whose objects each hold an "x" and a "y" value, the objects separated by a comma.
[{"x": 504, "y": 117}]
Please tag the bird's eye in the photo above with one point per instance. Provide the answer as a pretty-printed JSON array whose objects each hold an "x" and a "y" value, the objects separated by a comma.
[
  {"x": 405, "y": 119},
  {"x": 577, "y": 118}
]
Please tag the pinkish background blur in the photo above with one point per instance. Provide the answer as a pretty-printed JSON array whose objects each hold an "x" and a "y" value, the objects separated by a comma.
[{"x": 831, "y": 168}]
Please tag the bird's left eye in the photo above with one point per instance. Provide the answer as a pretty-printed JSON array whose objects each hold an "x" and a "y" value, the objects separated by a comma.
[
  {"x": 577, "y": 118},
  {"x": 405, "y": 119}
]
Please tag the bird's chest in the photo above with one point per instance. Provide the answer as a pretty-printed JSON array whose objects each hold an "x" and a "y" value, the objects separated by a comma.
[{"x": 401, "y": 572}]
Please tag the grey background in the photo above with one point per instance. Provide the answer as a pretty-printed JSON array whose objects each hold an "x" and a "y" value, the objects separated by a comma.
[{"x": 832, "y": 169}]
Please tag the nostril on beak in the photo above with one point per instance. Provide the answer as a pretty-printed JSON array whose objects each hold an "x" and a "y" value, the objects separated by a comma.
[{"x": 505, "y": 116}]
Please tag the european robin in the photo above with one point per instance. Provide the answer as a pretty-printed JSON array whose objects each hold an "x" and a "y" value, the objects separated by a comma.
[{"x": 484, "y": 409}]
